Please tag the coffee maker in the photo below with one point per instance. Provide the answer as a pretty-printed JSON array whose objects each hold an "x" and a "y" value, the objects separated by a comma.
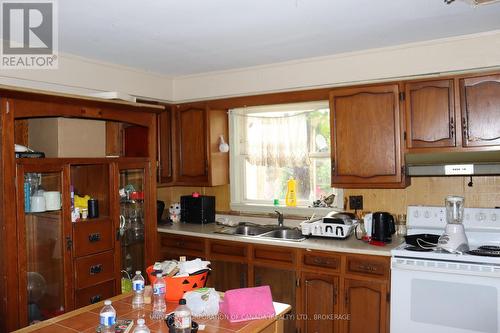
[{"x": 454, "y": 239}]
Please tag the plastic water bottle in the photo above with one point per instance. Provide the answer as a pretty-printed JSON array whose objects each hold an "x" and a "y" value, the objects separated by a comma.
[
  {"x": 107, "y": 318},
  {"x": 138, "y": 287},
  {"x": 159, "y": 305},
  {"x": 182, "y": 318},
  {"x": 141, "y": 327}
]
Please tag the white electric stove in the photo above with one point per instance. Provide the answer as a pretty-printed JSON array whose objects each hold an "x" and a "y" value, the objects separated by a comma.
[{"x": 444, "y": 292}]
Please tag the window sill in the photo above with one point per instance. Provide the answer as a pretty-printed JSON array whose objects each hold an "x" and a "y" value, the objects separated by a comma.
[{"x": 305, "y": 212}]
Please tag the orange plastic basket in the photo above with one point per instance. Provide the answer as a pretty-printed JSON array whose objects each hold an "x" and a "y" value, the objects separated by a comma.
[{"x": 177, "y": 286}]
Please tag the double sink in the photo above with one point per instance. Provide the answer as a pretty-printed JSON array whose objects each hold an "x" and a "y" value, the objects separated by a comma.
[{"x": 277, "y": 232}]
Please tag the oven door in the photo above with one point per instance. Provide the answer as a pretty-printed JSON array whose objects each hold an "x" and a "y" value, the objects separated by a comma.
[{"x": 444, "y": 297}]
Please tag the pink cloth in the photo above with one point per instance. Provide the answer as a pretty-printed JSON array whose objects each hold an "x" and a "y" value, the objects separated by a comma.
[{"x": 248, "y": 303}]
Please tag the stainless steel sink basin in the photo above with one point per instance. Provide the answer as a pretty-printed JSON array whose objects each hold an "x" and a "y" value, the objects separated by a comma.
[
  {"x": 246, "y": 230},
  {"x": 285, "y": 234}
]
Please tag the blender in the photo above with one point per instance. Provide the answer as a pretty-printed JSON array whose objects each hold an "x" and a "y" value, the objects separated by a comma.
[{"x": 454, "y": 239}]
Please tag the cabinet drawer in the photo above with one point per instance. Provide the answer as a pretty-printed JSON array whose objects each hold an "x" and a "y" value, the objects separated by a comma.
[
  {"x": 182, "y": 243},
  {"x": 275, "y": 254},
  {"x": 94, "y": 269},
  {"x": 228, "y": 249},
  {"x": 92, "y": 237},
  {"x": 329, "y": 261},
  {"x": 94, "y": 294},
  {"x": 372, "y": 266}
]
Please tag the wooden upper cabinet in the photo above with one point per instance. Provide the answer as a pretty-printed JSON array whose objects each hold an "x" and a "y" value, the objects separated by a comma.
[
  {"x": 480, "y": 105},
  {"x": 165, "y": 146},
  {"x": 192, "y": 144},
  {"x": 366, "y": 137},
  {"x": 430, "y": 114}
]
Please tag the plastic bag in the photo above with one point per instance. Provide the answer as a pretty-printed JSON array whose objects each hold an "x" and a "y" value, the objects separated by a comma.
[{"x": 203, "y": 302}]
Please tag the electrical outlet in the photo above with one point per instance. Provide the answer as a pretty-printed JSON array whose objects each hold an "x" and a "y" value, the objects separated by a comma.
[{"x": 355, "y": 202}]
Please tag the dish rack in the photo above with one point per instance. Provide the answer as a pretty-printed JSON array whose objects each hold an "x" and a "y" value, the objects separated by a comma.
[{"x": 321, "y": 228}]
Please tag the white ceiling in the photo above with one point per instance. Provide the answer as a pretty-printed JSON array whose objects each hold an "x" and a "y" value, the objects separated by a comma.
[{"x": 181, "y": 37}]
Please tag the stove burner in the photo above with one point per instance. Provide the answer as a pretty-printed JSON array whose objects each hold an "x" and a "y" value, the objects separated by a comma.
[
  {"x": 486, "y": 250},
  {"x": 417, "y": 249}
]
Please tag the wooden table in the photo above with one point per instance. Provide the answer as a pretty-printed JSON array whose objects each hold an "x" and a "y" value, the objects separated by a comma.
[{"x": 86, "y": 320}]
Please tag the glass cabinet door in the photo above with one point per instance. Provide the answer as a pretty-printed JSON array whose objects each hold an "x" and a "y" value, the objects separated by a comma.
[
  {"x": 131, "y": 191},
  {"x": 42, "y": 269}
]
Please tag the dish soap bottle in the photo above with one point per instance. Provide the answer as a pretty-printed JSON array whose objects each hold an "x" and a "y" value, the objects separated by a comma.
[{"x": 291, "y": 193}]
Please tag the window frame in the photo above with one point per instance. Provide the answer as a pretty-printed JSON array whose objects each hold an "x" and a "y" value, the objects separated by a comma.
[{"x": 237, "y": 170}]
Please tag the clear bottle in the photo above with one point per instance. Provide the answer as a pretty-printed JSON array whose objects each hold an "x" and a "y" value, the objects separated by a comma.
[
  {"x": 141, "y": 327},
  {"x": 138, "y": 287},
  {"x": 182, "y": 318},
  {"x": 159, "y": 305},
  {"x": 107, "y": 318}
]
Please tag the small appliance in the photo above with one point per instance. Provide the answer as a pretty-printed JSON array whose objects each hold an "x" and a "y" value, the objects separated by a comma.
[
  {"x": 197, "y": 208},
  {"x": 454, "y": 238},
  {"x": 383, "y": 227},
  {"x": 334, "y": 225}
]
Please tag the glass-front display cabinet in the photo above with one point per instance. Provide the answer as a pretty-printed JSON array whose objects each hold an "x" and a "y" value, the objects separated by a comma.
[
  {"x": 132, "y": 195},
  {"x": 43, "y": 238}
]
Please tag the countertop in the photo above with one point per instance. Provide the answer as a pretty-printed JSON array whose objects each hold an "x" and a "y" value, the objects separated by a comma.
[
  {"x": 86, "y": 319},
  {"x": 349, "y": 245}
]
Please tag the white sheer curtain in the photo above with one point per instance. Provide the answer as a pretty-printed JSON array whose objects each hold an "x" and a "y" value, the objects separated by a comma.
[{"x": 277, "y": 140}]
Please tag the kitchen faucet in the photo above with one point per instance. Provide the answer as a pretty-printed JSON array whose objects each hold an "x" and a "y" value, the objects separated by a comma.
[{"x": 280, "y": 218}]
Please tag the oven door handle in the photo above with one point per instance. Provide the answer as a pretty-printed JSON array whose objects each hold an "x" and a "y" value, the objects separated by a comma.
[{"x": 422, "y": 265}]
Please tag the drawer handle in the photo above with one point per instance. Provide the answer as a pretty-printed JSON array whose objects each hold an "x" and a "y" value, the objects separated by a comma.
[
  {"x": 94, "y": 237},
  {"x": 367, "y": 267},
  {"x": 180, "y": 243},
  {"x": 95, "y": 269},
  {"x": 95, "y": 299},
  {"x": 324, "y": 261}
]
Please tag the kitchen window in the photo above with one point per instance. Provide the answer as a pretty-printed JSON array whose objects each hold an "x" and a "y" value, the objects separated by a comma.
[{"x": 272, "y": 143}]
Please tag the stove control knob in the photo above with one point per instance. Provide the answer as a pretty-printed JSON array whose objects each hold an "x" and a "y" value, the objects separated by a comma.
[
  {"x": 427, "y": 214},
  {"x": 482, "y": 216},
  {"x": 416, "y": 214},
  {"x": 493, "y": 217}
]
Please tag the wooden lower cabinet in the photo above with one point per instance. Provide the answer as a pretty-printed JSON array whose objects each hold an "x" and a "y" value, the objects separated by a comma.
[
  {"x": 367, "y": 304},
  {"x": 283, "y": 283},
  {"x": 226, "y": 275},
  {"x": 328, "y": 291},
  {"x": 319, "y": 303}
]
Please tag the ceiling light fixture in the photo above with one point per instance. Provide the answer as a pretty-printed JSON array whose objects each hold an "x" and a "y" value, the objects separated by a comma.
[{"x": 474, "y": 3}]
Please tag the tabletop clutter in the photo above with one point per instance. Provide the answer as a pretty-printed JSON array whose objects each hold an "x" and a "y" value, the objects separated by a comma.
[{"x": 183, "y": 281}]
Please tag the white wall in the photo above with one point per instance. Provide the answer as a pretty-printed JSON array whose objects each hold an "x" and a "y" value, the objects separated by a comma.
[
  {"x": 78, "y": 75},
  {"x": 438, "y": 56},
  {"x": 82, "y": 76}
]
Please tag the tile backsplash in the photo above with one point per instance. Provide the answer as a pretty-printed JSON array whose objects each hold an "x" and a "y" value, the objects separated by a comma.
[{"x": 485, "y": 192}]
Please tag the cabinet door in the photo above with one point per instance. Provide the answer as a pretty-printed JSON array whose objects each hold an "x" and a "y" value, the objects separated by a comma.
[
  {"x": 319, "y": 302},
  {"x": 44, "y": 238},
  {"x": 191, "y": 128},
  {"x": 283, "y": 284},
  {"x": 366, "y": 137},
  {"x": 165, "y": 146},
  {"x": 367, "y": 304},
  {"x": 480, "y": 98},
  {"x": 430, "y": 114},
  {"x": 227, "y": 275}
]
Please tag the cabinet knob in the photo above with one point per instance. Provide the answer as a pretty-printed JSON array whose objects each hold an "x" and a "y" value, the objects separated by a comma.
[{"x": 95, "y": 299}]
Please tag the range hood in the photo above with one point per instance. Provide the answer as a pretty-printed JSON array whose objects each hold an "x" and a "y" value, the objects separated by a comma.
[{"x": 453, "y": 164}]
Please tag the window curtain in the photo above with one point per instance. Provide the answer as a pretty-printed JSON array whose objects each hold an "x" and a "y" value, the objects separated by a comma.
[{"x": 276, "y": 141}]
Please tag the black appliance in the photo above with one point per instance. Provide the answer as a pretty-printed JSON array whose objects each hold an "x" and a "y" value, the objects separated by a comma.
[
  {"x": 160, "y": 207},
  {"x": 383, "y": 227},
  {"x": 197, "y": 208}
]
